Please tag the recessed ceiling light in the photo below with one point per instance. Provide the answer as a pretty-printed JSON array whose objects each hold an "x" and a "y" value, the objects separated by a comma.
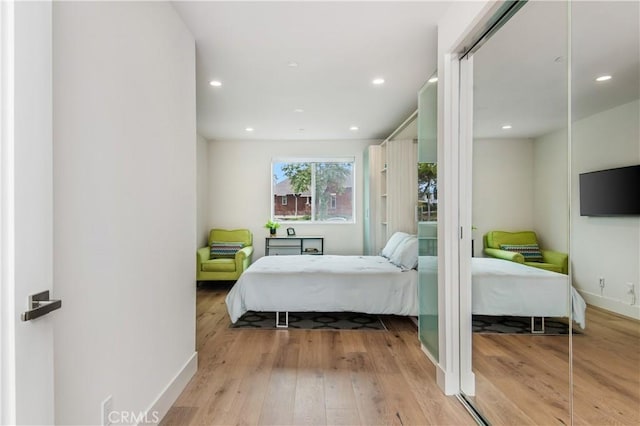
[
  {"x": 603, "y": 78},
  {"x": 433, "y": 79},
  {"x": 378, "y": 81},
  {"x": 249, "y": 129},
  {"x": 354, "y": 128},
  {"x": 298, "y": 110},
  {"x": 292, "y": 64},
  {"x": 506, "y": 127},
  {"x": 215, "y": 83}
]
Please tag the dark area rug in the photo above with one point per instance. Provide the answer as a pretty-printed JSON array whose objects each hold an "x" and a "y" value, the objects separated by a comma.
[
  {"x": 518, "y": 325},
  {"x": 311, "y": 321}
]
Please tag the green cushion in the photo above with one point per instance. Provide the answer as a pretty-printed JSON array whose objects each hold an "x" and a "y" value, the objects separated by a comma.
[
  {"x": 530, "y": 252},
  {"x": 495, "y": 239},
  {"x": 219, "y": 265},
  {"x": 241, "y": 235}
]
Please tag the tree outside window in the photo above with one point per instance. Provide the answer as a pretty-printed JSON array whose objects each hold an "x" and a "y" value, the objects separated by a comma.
[{"x": 428, "y": 191}]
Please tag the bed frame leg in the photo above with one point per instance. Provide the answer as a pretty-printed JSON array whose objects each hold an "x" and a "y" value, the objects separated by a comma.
[
  {"x": 286, "y": 320},
  {"x": 533, "y": 326}
]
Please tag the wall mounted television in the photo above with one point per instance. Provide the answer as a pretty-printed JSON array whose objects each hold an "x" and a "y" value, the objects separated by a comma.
[{"x": 612, "y": 192}]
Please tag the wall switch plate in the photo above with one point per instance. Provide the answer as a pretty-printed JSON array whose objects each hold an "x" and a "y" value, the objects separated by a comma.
[{"x": 107, "y": 408}]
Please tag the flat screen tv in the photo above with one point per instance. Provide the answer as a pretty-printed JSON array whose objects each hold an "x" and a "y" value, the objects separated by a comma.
[{"x": 613, "y": 192}]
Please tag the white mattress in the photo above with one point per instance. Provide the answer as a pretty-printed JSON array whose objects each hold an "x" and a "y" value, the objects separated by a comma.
[
  {"x": 369, "y": 284},
  {"x": 500, "y": 287}
]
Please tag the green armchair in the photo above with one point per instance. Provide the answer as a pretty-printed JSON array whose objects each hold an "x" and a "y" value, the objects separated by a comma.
[
  {"x": 551, "y": 260},
  {"x": 224, "y": 268}
]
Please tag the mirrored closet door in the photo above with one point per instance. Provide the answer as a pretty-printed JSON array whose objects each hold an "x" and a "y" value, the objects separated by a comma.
[
  {"x": 515, "y": 363},
  {"x": 605, "y": 236}
]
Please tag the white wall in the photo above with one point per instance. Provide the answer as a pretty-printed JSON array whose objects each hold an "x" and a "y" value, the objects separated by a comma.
[
  {"x": 124, "y": 206},
  {"x": 202, "y": 184},
  {"x": 550, "y": 183},
  {"x": 240, "y": 189},
  {"x": 502, "y": 187},
  {"x": 606, "y": 247}
]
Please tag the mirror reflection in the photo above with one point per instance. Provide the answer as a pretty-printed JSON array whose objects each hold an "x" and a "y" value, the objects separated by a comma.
[
  {"x": 529, "y": 174},
  {"x": 521, "y": 290},
  {"x": 605, "y": 249}
]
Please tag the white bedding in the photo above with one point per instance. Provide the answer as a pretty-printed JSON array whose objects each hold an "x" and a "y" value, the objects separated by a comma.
[
  {"x": 368, "y": 284},
  {"x": 500, "y": 287}
]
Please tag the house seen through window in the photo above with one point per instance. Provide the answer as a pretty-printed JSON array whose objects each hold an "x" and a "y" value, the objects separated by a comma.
[{"x": 313, "y": 191}]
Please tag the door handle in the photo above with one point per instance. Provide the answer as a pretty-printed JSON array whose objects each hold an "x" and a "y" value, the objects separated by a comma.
[{"x": 40, "y": 305}]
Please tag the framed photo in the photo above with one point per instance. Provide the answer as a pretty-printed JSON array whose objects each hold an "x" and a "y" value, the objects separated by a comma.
[{"x": 291, "y": 232}]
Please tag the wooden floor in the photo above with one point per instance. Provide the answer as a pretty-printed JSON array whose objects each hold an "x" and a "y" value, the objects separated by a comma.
[
  {"x": 301, "y": 377},
  {"x": 524, "y": 379}
]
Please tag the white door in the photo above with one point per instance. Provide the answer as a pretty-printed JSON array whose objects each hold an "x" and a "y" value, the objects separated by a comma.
[{"x": 26, "y": 212}]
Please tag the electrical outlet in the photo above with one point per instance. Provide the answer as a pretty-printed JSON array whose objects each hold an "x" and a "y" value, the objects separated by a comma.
[
  {"x": 601, "y": 282},
  {"x": 107, "y": 408},
  {"x": 631, "y": 291}
]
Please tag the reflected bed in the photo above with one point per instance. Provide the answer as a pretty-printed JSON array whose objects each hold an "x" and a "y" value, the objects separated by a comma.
[{"x": 504, "y": 288}]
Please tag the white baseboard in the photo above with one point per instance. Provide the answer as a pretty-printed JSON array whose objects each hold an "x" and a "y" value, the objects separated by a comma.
[
  {"x": 613, "y": 305},
  {"x": 446, "y": 382},
  {"x": 172, "y": 391}
]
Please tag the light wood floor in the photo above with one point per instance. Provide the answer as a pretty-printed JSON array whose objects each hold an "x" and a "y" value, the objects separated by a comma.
[
  {"x": 524, "y": 379},
  {"x": 306, "y": 377}
]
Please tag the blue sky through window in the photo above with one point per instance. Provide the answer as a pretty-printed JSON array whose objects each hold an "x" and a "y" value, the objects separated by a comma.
[{"x": 278, "y": 173}]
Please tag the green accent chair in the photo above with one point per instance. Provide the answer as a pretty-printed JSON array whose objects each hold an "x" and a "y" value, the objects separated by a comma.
[
  {"x": 224, "y": 268},
  {"x": 551, "y": 260}
]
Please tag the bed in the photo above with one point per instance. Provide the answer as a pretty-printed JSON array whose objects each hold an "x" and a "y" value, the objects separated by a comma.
[
  {"x": 388, "y": 284},
  {"x": 504, "y": 288},
  {"x": 329, "y": 283}
]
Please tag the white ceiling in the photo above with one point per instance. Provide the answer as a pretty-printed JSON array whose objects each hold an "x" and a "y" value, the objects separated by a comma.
[
  {"x": 340, "y": 47},
  {"x": 519, "y": 80}
]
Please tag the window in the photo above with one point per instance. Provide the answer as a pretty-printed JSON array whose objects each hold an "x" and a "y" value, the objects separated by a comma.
[
  {"x": 317, "y": 190},
  {"x": 428, "y": 192}
]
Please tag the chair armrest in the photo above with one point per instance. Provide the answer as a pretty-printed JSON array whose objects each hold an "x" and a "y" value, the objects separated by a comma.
[
  {"x": 203, "y": 254},
  {"x": 243, "y": 258},
  {"x": 244, "y": 253},
  {"x": 556, "y": 258},
  {"x": 504, "y": 254}
]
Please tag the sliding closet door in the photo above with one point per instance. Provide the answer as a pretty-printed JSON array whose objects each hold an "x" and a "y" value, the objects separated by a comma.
[
  {"x": 514, "y": 177},
  {"x": 605, "y": 134}
]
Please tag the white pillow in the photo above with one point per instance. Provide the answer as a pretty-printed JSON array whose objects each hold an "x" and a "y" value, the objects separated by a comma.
[
  {"x": 406, "y": 254},
  {"x": 393, "y": 244}
]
